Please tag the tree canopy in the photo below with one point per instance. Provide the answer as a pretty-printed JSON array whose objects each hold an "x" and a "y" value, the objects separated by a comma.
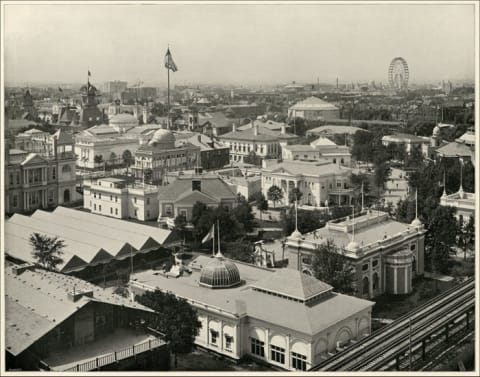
[
  {"x": 47, "y": 250},
  {"x": 274, "y": 194},
  {"x": 176, "y": 318},
  {"x": 331, "y": 266}
]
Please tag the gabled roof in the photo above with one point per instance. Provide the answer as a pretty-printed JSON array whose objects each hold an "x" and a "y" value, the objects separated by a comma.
[
  {"x": 33, "y": 158},
  {"x": 455, "y": 149},
  {"x": 36, "y": 301},
  {"x": 191, "y": 197},
  {"x": 214, "y": 187},
  {"x": 264, "y": 134},
  {"x": 293, "y": 283},
  {"x": 313, "y": 103},
  {"x": 333, "y": 129}
]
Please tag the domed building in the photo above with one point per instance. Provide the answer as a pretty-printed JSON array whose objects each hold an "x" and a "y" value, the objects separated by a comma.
[
  {"x": 161, "y": 155},
  {"x": 220, "y": 273}
]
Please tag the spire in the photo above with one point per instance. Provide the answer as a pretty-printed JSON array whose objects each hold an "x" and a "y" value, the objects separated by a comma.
[
  {"x": 296, "y": 233},
  {"x": 416, "y": 221},
  {"x": 219, "y": 253},
  {"x": 444, "y": 185},
  {"x": 460, "y": 191}
]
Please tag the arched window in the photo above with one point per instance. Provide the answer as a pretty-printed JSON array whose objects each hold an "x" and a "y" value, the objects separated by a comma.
[
  {"x": 66, "y": 196},
  {"x": 365, "y": 287},
  {"x": 375, "y": 283}
]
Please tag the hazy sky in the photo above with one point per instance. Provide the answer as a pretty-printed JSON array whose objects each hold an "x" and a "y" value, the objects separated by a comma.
[{"x": 250, "y": 44}]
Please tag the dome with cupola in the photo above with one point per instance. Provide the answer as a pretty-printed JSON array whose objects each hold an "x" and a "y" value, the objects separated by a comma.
[
  {"x": 220, "y": 273},
  {"x": 162, "y": 138}
]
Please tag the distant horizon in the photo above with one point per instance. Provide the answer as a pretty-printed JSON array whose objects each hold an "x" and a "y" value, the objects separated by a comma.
[{"x": 252, "y": 45}]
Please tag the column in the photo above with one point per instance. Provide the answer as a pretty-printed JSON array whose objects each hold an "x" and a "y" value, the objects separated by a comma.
[
  {"x": 208, "y": 332},
  {"x": 287, "y": 353},
  {"x": 25, "y": 203},
  {"x": 267, "y": 344},
  {"x": 221, "y": 335},
  {"x": 395, "y": 282},
  {"x": 370, "y": 277},
  {"x": 237, "y": 341}
]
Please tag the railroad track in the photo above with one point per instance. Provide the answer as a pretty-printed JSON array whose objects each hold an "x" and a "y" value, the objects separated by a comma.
[{"x": 373, "y": 345}]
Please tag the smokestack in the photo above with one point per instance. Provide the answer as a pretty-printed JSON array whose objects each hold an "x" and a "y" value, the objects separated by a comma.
[
  {"x": 255, "y": 129},
  {"x": 234, "y": 127}
]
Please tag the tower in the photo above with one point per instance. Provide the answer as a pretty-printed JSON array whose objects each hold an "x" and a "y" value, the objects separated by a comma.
[{"x": 90, "y": 114}]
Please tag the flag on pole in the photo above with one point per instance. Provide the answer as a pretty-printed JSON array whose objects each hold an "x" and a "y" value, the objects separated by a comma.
[
  {"x": 60, "y": 89},
  {"x": 169, "y": 63},
  {"x": 209, "y": 235},
  {"x": 89, "y": 73}
]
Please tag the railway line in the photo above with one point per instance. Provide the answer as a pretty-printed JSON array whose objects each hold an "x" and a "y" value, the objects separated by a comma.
[{"x": 410, "y": 338}]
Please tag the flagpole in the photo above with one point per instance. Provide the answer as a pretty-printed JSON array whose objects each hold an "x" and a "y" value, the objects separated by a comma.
[
  {"x": 168, "y": 96},
  {"x": 213, "y": 248},
  {"x": 218, "y": 234}
]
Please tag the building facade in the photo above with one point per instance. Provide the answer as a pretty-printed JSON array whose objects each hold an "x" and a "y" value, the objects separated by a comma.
[
  {"x": 116, "y": 198},
  {"x": 42, "y": 176},
  {"x": 161, "y": 155},
  {"x": 336, "y": 154},
  {"x": 385, "y": 255},
  {"x": 281, "y": 317},
  {"x": 260, "y": 142},
  {"x": 319, "y": 182},
  {"x": 314, "y": 108}
]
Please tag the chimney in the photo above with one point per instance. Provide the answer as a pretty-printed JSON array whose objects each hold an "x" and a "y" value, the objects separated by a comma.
[
  {"x": 284, "y": 129},
  {"x": 234, "y": 127},
  {"x": 255, "y": 129}
]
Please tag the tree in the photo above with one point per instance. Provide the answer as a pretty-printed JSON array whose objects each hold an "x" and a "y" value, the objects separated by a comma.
[
  {"x": 331, "y": 266},
  {"x": 242, "y": 251},
  {"x": 127, "y": 158},
  {"x": 243, "y": 214},
  {"x": 298, "y": 126},
  {"x": 382, "y": 172},
  {"x": 180, "y": 222},
  {"x": 274, "y": 194},
  {"x": 252, "y": 158},
  {"x": 294, "y": 195},
  {"x": 175, "y": 318},
  {"x": 440, "y": 238},
  {"x": 47, "y": 250},
  {"x": 98, "y": 159},
  {"x": 261, "y": 202},
  {"x": 307, "y": 221},
  {"x": 466, "y": 233}
]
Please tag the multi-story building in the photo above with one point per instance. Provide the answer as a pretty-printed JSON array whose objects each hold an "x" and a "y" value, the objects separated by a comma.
[
  {"x": 104, "y": 144},
  {"x": 114, "y": 197},
  {"x": 213, "y": 154},
  {"x": 262, "y": 142},
  {"x": 41, "y": 176},
  {"x": 385, "y": 255},
  {"x": 396, "y": 187},
  {"x": 115, "y": 88},
  {"x": 60, "y": 323},
  {"x": 280, "y": 317},
  {"x": 314, "y": 108},
  {"x": 336, "y": 154},
  {"x": 319, "y": 182},
  {"x": 179, "y": 197},
  {"x": 161, "y": 155}
]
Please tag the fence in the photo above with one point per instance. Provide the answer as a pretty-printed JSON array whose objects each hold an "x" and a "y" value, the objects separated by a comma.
[{"x": 113, "y": 357}]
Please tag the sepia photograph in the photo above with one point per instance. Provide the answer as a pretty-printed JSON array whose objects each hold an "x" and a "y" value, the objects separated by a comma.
[{"x": 239, "y": 187}]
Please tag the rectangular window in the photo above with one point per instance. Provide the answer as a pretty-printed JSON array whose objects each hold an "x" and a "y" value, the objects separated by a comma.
[
  {"x": 228, "y": 342},
  {"x": 116, "y": 198},
  {"x": 15, "y": 200},
  {"x": 94, "y": 195},
  {"x": 111, "y": 210},
  {"x": 277, "y": 354},
  {"x": 116, "y": 211},
  {"x": 53, "y": 173},
  {"x": 135, "y": 213},
  {"x": 50, "y": 196},
  {"x": 111, "y": 197},
  {"x": 257, "y": 347},
  {"x": 148, "y": 214},
  {"x": 11, "y": 178},
  {"x": 299, "y": 362},
  {"x": 135, "y": 200},
  {"x": 94, "y": 207},
  {"x": 213, "y": 337},
  {"x": 99, "y": 195},
  {"x": 148, "y": 200}
]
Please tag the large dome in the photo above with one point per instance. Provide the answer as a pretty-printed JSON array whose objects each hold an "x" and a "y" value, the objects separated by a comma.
[
  {"x": 220, "y": 273},
  {"x": 163, "y": 138}
]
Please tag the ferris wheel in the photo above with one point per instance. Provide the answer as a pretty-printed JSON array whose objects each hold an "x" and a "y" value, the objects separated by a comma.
[{"x": 398, "y": 73}]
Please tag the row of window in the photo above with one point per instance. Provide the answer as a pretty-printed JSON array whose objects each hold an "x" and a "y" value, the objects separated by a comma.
[
  {"x": 277, "y": 354},
  {"x": 214, "y": 340},
  {"x": 116, "y": 210},
  {"x": 116, "y": 198}
]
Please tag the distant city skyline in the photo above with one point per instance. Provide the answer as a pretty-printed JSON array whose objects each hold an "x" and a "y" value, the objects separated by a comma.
[{"x": 237, "y": 44}]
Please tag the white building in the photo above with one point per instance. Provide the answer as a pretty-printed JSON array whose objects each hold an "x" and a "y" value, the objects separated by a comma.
[
  {"x": 314, "y": 108},
  {"x": 336, "y": 154},
  {"x": 396, "y": 187},
  {"x": 283, "y": 317},
  {"x": 115, "y": 198},
  {"x": 319, "y": 181},
  {"x": 262, "y": 141}
]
